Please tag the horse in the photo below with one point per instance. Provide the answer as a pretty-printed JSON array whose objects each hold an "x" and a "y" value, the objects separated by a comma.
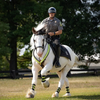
[{"x": 42, "y": 60}]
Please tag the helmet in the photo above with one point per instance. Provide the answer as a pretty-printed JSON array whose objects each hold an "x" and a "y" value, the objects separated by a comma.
[{"x": 51, "y": 10}]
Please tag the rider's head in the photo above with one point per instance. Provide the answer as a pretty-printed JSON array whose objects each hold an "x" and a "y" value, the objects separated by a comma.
[{"x": 52, "y": 12}]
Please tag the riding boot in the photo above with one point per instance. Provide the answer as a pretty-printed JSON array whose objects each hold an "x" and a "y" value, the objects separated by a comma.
[{"x": 57, "y": 64}]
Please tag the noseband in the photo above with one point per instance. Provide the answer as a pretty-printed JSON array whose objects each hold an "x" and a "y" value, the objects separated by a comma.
[
  {"x": 43, "y": 47},
  {"x": 39, "y": 47}
]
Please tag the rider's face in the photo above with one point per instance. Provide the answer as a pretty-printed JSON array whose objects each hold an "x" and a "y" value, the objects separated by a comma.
[{"x": 51, "y": 15}]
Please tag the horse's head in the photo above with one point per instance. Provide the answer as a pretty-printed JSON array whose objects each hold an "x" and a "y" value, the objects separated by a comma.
[{"x": 38, "y": 41}]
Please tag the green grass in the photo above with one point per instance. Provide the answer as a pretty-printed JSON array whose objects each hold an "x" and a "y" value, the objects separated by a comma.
[{"x": 81, "y": 88}]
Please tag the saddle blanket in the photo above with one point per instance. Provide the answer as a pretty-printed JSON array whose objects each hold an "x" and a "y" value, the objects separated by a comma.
[{"x": 65, "y": 52}]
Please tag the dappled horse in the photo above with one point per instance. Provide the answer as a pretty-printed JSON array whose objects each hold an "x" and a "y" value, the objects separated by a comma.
[{"x": 42, "y": 60}]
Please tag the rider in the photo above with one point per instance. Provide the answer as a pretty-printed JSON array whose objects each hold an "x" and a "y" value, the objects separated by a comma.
[{"x": 54, "y": 29}]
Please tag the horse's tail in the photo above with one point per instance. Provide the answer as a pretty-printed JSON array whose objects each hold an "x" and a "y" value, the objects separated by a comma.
[{"x": 78, "y": 61}]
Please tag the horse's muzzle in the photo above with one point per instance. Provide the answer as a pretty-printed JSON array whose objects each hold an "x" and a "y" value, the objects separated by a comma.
[{"x": 39, "y": 54}]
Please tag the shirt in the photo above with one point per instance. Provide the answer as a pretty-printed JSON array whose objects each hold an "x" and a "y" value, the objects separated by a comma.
[{"x": 52, "y": 25}]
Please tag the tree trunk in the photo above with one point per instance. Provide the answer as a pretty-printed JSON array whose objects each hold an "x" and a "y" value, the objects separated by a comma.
[{"x": 13, "y": 59}]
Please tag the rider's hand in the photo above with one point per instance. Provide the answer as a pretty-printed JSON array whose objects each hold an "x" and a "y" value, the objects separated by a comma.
[{"x": 51, "y": 33}]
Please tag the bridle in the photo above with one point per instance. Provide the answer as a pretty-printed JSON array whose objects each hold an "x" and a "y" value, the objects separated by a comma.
[
  {"x": 41, "y": 32},
  {"x": 40, "y": 62},
  {"x": 43, "y": 46}
]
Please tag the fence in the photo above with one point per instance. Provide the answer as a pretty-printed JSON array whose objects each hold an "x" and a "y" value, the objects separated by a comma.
[{"x": 28, "y": 73}]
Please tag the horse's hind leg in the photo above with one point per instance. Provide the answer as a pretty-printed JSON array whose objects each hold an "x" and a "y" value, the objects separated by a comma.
[
  {"x": 62, "y": 76},
  {"x": 67, "y": 82},
  {"x": 61, "y": 82},
  {"x": 56, "y": 94},
  {"x": 67, "y": 87}
]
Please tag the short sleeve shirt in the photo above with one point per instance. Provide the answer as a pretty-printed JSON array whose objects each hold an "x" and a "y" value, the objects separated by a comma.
[{"x": 52, "y": 25}]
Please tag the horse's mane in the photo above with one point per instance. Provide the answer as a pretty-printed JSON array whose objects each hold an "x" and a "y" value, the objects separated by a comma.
[{"x": 40, "y": 26}]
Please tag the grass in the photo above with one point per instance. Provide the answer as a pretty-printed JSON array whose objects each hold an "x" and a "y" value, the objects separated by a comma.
[{"x": 81, "y": 88}]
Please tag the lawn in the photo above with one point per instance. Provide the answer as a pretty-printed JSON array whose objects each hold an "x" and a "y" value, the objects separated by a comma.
[{"x": 81, "y": 88}]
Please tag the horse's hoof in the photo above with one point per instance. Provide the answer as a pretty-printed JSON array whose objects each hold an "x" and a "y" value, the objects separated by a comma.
[
  {"x": 66, "y": 95},
  {"x": 46, "y": 84},
  {"x": 54, "y": 95},
  {"x": 30, "y": 94}
]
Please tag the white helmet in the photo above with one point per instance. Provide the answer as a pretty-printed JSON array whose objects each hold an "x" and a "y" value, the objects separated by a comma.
[{"x": 51, "y": 10}]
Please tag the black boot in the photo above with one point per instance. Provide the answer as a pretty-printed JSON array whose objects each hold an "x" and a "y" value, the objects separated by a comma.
[{"x": 58, "y": 50}]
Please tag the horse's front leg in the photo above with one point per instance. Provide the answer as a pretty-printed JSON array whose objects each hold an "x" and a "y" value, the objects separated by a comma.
[
  {"x": 31, "y": 92},
  {"x": 45, "y": 81}
]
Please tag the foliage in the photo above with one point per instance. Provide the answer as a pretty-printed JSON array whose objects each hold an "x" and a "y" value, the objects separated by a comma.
[
  {"x": 24, "y": 61},
  {"x": 4, "y": 28},
  {"x": 19, "y": 16},
  {"x": 4, "y": 50},
  {"x": 80, "y": 26}
]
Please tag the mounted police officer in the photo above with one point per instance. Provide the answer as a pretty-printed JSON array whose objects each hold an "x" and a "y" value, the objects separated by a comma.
[{"x": 54, "y": 29}]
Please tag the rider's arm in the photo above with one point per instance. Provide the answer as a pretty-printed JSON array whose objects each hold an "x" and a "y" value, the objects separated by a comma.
[
  {"x": 55, "y": 33},
  {"x": 60, "y": 28},
  {"x": 58, "y": 32}
]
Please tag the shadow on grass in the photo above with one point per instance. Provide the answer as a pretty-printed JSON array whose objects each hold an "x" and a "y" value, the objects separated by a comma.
[{"x": 81, "y": 97}]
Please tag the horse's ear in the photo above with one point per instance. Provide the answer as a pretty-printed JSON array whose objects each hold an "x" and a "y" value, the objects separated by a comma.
[{"x": 33, "y": 30}]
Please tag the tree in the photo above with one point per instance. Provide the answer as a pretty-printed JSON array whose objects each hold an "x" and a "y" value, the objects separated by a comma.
[
  {"x": 4, "y": 50},
  {"x": 80, "y": 27},
  {"x": 21, "y": 15}
]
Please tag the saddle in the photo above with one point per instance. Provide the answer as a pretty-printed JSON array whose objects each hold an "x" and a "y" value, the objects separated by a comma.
[{"x": 64, "y": 51}]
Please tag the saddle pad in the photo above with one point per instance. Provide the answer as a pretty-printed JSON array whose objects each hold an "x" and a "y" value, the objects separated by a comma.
[{"x": 64, "y": 52}]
